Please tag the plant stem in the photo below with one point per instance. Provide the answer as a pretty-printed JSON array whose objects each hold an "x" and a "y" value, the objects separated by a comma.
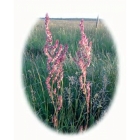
[
  {"x": 81, "y": 113},
  {"x": 41, "y": 85}
]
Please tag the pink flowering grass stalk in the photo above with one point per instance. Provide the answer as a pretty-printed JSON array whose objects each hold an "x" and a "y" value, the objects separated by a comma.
[
  {"x": 56, "y": 55},
  {"x": 83, "y": 60}
]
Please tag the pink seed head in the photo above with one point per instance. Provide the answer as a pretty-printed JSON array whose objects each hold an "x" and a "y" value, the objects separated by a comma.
[
  {"x": 48, "y": 83},
  {"x": 55, "y": 121},
  {"x": 88, "y": 95},
  {"x": 54, "y": 92},
  {"x": 60, "y": 102}
]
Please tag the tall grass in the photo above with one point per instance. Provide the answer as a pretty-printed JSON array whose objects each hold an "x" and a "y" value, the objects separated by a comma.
[{"x": 102, "y": 74}]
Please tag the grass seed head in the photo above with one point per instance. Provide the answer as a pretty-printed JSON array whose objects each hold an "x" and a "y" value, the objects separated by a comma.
[{"x": 60, "y": 102}]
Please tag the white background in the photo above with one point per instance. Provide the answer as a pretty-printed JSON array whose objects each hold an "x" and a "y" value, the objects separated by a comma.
[{"x": 27, "y": 126}]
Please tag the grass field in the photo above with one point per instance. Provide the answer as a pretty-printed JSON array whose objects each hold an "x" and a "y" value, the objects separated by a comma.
[{"x": 102, "y": 73}]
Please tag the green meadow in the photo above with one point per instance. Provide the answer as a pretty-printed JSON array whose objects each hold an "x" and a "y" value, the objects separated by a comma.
[{"x": 102, "y": 73}]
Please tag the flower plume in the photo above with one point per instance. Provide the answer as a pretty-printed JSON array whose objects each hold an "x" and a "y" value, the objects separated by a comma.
[{"x": 56, "y": 55}]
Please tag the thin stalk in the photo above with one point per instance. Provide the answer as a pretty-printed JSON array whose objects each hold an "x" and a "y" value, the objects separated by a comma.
[
  {"x": 84, "y": 85},
  {"x": 76, "y": 103},
  {"x": 32, "y": 97},
  {"x": 41, "y": 85},
  {"x": 62, "y": 89},
  {"x": 81, "y": 113},
  {"x": 87, "y": 117}
]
